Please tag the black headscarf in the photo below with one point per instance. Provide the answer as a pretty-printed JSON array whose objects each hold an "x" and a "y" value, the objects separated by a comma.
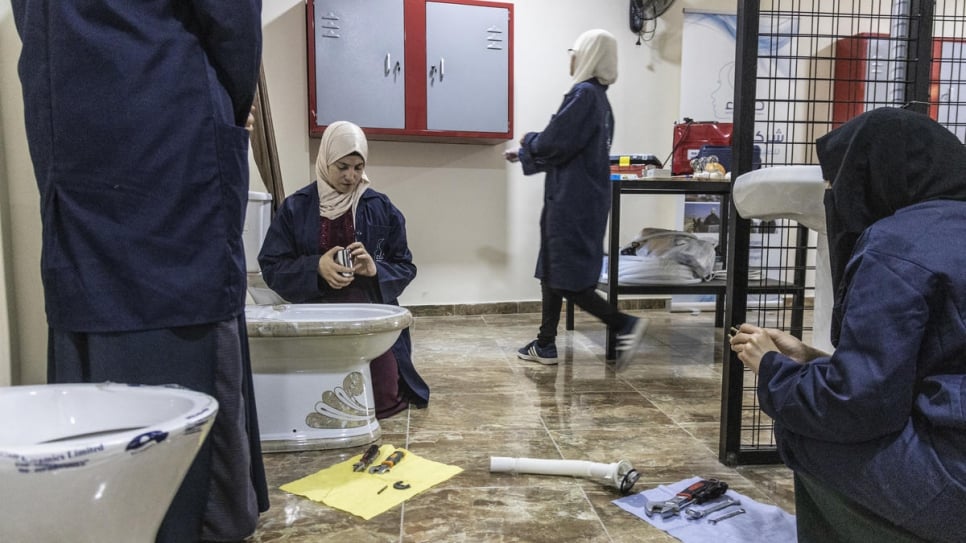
[{"x": 880, "y": 162}]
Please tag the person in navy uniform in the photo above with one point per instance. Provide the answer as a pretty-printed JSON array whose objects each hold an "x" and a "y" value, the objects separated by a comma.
[
  {"x": 135, "y": 115},
  {"x": 340, "y": 210},
  {"x": 876, "y": 431},
  {"x": 574, "y": 152}
]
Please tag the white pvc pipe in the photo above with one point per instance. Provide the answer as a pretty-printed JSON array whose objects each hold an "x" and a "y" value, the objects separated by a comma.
[{"x": 617, "y": 474}]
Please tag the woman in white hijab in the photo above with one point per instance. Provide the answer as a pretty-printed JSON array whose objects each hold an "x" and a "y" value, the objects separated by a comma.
[
  {"x": 574, "y": 152},
  {"x": 341, "y": 211}
]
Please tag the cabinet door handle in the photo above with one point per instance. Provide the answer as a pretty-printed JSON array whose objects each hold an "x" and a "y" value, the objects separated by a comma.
[
  {"x": 433, "y": 70},
  {"x": 391, "y": 68}
]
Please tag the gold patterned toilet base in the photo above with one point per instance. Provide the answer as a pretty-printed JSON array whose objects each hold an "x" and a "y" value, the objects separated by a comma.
[
  {"x": 315, "y": 411},
  {"x": 310, "y": 364}
]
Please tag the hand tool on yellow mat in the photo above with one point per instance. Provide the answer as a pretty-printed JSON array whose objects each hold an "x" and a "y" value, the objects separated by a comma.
[
  {"x": 389, "y": 462},
  {"x": 371, "y": 453},
  {"x": 700, "y": 492}
]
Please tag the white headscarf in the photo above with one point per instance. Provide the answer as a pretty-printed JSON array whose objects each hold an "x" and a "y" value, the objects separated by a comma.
[
  {"x": 340, "y": 139},
  {"x": 595, "y": 55}
]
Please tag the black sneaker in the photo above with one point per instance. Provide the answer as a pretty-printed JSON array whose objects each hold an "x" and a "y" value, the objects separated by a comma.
[
  {"x": 629, "y": 339},
  {"x": 535, "y": 353}
]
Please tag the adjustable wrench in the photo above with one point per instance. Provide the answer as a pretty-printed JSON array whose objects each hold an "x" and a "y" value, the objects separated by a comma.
[
  {"x": 653, "y": 507},
  {"x": 389, "y": 462}
]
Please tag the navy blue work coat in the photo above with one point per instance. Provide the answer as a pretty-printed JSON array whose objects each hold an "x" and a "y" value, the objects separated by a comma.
[
  {"x": 883, "y": 420},
  {"x": 289, "y": 260},
  {"x": 135, "y": 118},
  {"x": 574, "y": 151}
]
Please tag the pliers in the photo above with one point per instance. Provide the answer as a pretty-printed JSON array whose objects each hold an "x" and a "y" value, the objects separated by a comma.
[{"x": 371, "y": 453}]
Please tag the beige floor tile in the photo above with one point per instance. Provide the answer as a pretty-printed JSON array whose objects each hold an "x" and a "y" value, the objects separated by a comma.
[{"x": 661, "y": 414}]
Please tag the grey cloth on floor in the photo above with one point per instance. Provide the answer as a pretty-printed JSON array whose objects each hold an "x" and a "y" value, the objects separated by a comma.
[{"x": 760, "y": 522}]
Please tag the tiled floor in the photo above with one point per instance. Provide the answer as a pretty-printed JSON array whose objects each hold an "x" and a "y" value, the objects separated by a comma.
[{"x": 661, "y": 414}]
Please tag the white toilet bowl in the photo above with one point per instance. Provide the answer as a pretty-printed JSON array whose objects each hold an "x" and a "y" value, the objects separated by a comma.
[
  {"x": 797, "y": 193},
  {"x": 95, "y": 462},
  {"x": 310, "y": 365},
  {"x": 258, "y": 217}
]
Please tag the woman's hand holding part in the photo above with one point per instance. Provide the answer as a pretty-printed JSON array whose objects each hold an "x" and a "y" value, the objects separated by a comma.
[
  {"x": 250, "y": 121},
  {"x": 363, "y": 263},
  {"x": 750, "y": 343},
  {"x": 331, "y": 271}
]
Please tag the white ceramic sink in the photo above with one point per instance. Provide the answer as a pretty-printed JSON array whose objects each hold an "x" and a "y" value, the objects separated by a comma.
[{"x": 796, "y": 193}]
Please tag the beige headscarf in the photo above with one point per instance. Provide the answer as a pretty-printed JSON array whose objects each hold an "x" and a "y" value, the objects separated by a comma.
[
  {"x": 340, "y": 139},
  {"x": 595, "y": 55}
]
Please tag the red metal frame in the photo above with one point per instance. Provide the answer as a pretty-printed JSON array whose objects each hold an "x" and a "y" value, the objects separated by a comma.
[
  {"x": 414, "y": 23},
  {"x": 850, "y": 76},
  {"x": 937, "y": 51},
  {"x": 310, "y": 40}
]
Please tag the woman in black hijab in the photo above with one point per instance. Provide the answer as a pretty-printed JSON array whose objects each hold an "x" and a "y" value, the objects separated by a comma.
[{"x": 876, "y": 432}]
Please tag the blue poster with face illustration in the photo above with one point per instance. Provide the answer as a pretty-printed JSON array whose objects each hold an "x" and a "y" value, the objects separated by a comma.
[
  {"x": 707, "y": 94},
  {"x": 708, "y": 75}
]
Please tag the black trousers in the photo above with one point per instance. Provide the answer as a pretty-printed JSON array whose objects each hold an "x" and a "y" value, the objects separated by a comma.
[
  {"x": 586, "y": 299},
  {"x": 224, "y": 489}
]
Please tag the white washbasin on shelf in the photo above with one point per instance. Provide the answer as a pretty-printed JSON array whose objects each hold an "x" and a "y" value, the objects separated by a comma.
[
  {"x": 782, "y": 192},
  {"x": 796, "y": 193}
]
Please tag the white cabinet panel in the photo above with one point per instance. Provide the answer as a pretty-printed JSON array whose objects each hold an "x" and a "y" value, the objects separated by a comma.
[
  {"x": 359, "y": 62},
  {"x": 467, "y": 63},
  {"x": 431, "y": 70}
]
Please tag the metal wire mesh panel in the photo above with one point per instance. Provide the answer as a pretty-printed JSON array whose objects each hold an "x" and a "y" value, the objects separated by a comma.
[
  {"x": 947, "y": 99},
  {"x": 780, "y": 254},
  {"x": 806, "y": 67}
]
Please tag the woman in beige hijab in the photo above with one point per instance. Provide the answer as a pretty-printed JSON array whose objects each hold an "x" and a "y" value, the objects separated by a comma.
[
  {"x": 574, "y": 152},
  {"x": 341, "y": 211}
]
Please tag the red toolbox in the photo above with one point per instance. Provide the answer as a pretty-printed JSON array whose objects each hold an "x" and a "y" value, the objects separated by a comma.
[{"x": 691, "y": 136}]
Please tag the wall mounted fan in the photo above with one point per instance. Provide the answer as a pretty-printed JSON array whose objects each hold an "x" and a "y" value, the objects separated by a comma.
[{"x": 644, "y": 14}]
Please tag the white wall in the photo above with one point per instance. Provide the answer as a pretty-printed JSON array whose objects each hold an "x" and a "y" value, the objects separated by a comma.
[
  {"x": 19, "y": 227},
  {"x": 472, "y": 218},
  {"x": 6, "y": 369}
]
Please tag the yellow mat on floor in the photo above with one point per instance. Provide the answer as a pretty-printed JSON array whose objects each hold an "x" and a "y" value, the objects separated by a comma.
[{"x": 370, "y": 494}]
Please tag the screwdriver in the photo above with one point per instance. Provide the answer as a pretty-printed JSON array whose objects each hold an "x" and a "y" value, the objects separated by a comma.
[
  {"x": 389, "y": 462},
  {"x": 371, "y": 453}
]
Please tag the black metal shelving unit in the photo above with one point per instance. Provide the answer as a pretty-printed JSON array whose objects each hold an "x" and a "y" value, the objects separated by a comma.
[{"x": 716, "y": 287}]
